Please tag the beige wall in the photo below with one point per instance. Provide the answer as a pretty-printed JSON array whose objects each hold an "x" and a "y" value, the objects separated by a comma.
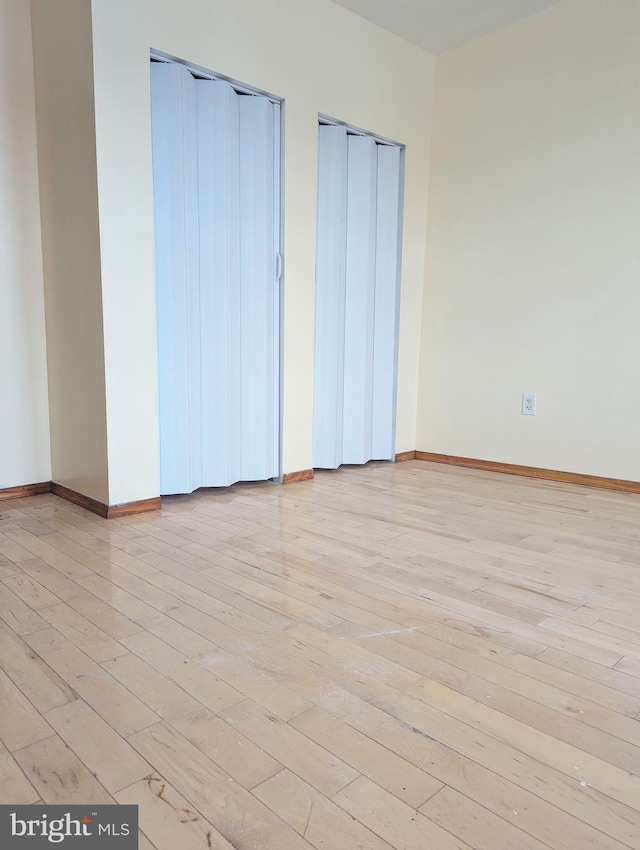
[
  {"x": 532, "y": 264},
  {"x": 24, "y": 417},
  {"x": 318, "y": 57},
  {"x": 70, "y": 244},
  {"x": 533, "y": 279}
]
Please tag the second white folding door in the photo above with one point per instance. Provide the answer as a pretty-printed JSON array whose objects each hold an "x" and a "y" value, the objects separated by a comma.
[
  {"x": 216, "y": 155},
  {"x": 357, "y": 281}
]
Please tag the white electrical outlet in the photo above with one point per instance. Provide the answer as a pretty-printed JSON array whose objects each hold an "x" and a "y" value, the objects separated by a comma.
[{"x": 528, "y": 404}]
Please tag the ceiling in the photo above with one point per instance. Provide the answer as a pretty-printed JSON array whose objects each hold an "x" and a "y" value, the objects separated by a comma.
[{"x": 439, "y": 25}]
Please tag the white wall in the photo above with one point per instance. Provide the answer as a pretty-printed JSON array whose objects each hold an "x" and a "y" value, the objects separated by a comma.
[
  {"x": 70, "y": 244},
  {"x": 533, "y": 281},
  {"x": 320, "y": 58},
  {"x": 24, "y": 417}
]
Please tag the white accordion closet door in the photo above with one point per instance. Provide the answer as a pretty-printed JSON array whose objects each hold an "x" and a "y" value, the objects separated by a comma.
[
  {"x": 357, "y": 283},
  {"x": 216, "y": 194}
]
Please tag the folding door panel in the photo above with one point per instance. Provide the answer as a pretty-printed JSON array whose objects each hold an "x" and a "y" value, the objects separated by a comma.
[
  {"x": 259, "y": 303},
  {"x": 175, "y": 176},
  {"x": 388, "y": 232},
  {"x": 330, "y": 297},
  {"x": 359, "y": 299},
  {"x": 220, "y": 330}
]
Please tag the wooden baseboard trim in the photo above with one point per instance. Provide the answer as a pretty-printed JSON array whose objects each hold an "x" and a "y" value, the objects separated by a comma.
[
  {"x": 105, "y": 511},
  {"x": 620, "y": 484},
  {"x": 402, "y": 456},
  {"x": 294, "y": 477},
  {"x": 86, "y": 502},
  {"x": 25, "y": 490},
  {"x": 142, "y": 506}
]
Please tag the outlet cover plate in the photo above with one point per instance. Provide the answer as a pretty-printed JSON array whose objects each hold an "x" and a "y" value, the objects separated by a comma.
[{"x": 529, "y": 404}]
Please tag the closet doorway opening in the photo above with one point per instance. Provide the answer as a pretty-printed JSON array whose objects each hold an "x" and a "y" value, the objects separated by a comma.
[
  {"x": 360, "y": 194},
  {"x": 217, "y": 208}
]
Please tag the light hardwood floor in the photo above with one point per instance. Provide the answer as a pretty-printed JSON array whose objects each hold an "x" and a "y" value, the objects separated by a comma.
[{"x": 405, "y": 656}]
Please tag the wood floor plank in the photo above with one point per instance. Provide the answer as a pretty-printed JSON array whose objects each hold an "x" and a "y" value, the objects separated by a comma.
[
  {"x": 153, "y": 688},
  {"x": 167, "y": 818},
  {"x": 284, "y": 604},
  {"x": 474, "y": 824},
  {"x": 109, "y": 757},
  {"x": 632, "y": 636},
  {"x": 615, "y": 678},
  {"x": 234, "y": 812},
  {"x": 234, "y": 619},
  {"x": 369, "y": 758},
  {"x": 144, "y": 843},
  {"x": 8, "y": 568},
  {"x": 315, "y": 686},
  {"x": 198, "y": 681},
  {"x": 524, "y": 698},
  {"x": 59, "y": 776},
  {"x": 227, "y": 595},
  {"x": 467, "y": 622},
  {"x": 317, "y": 766},
  {"x": 600, "y": 639},
  {"x": 273, "y": 695},
  {"x": 38, "y": 682},
  {"x": 13, "y": 551},
  {"x": 630, "y": 665},
  {"x": 157, "y": 622},
  {"x": 391, "y": 656},
  {"x": 521, "y": 764},
  {"x": 15, "y": 788},
  {"x": 352, "y": 653},
  {"x": 394, "y": 821},
  {"x": 20, "y": 723},
  {"x": 31, "y": 592},
  {"x": 40, "y": 548},
  {"x": 17, "y": 615},
  {"x": 626, "y": 620},
  {"x": 220, "y": 628},
  {"x": 313, "y": 816},
  {"x": 517, "y": 799},
  {"x": 22, "y": 518},
  {"x": 94, "y": 609},
  {"x": 97, "y": 644},
  {"x": 115, "y": 703},
  {"x": 315, "y": 590},
  {"x": 530, "y": 677},
  {"x": 99, "y": 559},
  {"x": 232, "y": 751},
  {"x": 538, "y": 638}
]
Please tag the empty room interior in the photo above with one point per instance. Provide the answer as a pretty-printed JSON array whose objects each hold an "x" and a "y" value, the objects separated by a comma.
[{"x": 320, "y": 421}]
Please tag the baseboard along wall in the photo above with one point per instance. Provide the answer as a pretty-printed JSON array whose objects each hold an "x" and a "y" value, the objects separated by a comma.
[
  {"x": 86, "y": 502},
  {"x": 599, "y": 481}
]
